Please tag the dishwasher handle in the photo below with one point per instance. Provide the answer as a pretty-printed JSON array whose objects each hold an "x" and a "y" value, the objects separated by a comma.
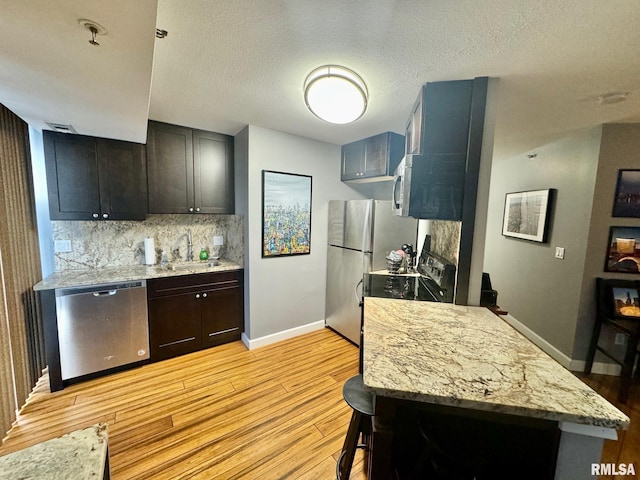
[{"x": 105, "y": 293}]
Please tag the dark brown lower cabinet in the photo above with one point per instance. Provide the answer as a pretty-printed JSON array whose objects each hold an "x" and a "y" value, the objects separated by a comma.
[{"x": 192, "y": 312}]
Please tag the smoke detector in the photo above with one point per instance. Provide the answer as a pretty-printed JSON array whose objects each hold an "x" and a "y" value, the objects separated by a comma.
[{"x": 613, "y": 97}]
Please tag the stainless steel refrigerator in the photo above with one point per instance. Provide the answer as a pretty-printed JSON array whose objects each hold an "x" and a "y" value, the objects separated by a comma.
[{"x": 361, "y": 234}]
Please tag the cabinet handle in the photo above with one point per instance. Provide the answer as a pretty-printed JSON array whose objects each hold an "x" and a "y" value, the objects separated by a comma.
[
  {"x": 95, "y": 215},
  {"x": 198, "y": 209},
  {"x": 191, "y": 209},
  {"x": 197, "y": 295},
  {"x": 105, "y": 215},
  {"x": 204, "y": 295}
]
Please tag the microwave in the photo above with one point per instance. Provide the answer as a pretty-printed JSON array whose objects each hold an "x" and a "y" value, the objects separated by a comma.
[
  {"x": 401, "y": 187},
  {"x": 429, "y": 186}
]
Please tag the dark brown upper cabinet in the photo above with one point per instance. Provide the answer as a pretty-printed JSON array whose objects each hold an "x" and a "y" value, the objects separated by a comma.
[
  {"x": 372, "y": 159},
  {"x": 91, "y": 178},
  {"x": 189, "y": 171}
]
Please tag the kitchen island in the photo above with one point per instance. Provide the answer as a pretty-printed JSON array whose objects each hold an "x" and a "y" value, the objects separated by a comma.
[
  {"x": 453, "y": 361},
  {"x": 82, "y": 454}
]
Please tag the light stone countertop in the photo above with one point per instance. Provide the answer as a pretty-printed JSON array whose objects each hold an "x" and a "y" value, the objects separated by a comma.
[
  {"x": 77, "y": 455},
  {"x": 98, "y": 276},
  {"x": 468, "y": 357}
]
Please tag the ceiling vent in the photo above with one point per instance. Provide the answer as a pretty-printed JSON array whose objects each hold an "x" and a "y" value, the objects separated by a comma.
[{"x": 60, "y": 127}]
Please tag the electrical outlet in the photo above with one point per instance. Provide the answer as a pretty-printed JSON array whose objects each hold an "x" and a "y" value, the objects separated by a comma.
[
  {"x": 62, "y": 246},
  {"x": 218, "y": 241},
  {"x": 620, "y": 338},
  {"x": 559, "y": 253}
]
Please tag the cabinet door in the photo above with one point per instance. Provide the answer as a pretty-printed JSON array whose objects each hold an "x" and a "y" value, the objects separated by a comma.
[
  {"x": 447, "y": 112},
  {"x": 376, "y": 156},
  {"x": 213, "y": 172},
  {"x": 123, "y": 181},
  {"x": 72, "y": 176},
  {"x": 174, "y": 325},
  {"x": 352, "y": 161},
  {"x": 222, "y": 316},
  {"x": 170, "y": 168}
]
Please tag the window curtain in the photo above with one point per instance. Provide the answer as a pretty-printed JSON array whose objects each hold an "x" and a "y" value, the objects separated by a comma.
[{"x": 22, "y": 355}]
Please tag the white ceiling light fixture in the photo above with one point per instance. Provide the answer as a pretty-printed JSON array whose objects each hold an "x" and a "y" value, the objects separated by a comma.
[{"x": 335, "y": 94}]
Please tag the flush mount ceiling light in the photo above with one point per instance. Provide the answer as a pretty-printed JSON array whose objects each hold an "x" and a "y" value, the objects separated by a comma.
[{"x": 335, "y": 94}]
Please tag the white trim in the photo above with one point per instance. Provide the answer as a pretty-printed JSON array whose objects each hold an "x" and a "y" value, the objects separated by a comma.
[
  {"x": 557, "y": 355},
  {"x": 589, "y": 430},
  {"x": 279, "y": 336}
]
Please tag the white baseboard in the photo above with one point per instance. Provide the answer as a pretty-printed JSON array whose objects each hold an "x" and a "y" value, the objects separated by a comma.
[
  {"x": 557, "y": 355},
  {"x": 252, "y": 343}
]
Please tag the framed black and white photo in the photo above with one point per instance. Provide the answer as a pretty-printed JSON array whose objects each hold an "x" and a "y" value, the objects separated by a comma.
[
  {"x": 627, "y": 200},
  {"x": 526, "y": 215},
  {"x": 286, "y": 214}
]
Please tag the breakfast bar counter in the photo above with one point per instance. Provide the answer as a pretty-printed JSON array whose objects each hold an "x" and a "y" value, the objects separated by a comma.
[{"x": 468, "y": 359}]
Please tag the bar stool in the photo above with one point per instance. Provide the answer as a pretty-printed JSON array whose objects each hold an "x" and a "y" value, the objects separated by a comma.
[{"x": 361, "y": 401}]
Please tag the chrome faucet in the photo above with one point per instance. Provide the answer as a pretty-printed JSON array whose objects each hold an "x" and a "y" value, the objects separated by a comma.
[{"x": 189, "y": 246}]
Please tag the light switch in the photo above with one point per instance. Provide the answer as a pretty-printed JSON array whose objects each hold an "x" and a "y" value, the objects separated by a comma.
[
  {"x": 560, "y": 252},
  {"x": 218, "y": 240}
]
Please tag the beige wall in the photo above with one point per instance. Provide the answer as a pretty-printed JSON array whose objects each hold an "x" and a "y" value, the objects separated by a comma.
[
  {"x": 618, "y": 150},
  {"x": 540, "y": 291},
  {"x": 286, "y": 293}
]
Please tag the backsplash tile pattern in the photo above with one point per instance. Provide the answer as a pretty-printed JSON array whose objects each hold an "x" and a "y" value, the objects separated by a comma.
[
  {"x": 445, "y": 239},
  {"x": 98, "y": 244}
]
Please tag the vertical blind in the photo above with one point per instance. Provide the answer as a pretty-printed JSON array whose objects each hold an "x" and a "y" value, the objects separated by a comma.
[{"x": 22, "y": 356}]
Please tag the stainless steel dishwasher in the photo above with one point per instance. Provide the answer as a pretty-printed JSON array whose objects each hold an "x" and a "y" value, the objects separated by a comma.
[{"x": 102, "y": 327}]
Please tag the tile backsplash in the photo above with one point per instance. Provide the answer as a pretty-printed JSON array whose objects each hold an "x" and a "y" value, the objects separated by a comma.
[
  {"x": 98, "y": 244},
  {"x": 445, "y": 239}
]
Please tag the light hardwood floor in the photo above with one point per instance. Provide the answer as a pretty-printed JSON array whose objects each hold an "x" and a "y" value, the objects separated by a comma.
[
  {"x": 627, "y": 448},
  {"x": 224, "y": 413},
  {"x": 230, "y": 413}
]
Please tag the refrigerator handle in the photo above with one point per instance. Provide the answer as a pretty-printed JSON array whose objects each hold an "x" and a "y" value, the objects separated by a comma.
[
  {"x": 366, "y": 262},
  {"x": 358, "y": 297},
  {"x": 366, "y": 229}
]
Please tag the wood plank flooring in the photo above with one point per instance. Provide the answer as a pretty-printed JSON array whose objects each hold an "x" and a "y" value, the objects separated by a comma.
[
  {"x": 224, "y": 413},
  {"x": 627, "y": 448},
  {"x": 230, "y": 413}
]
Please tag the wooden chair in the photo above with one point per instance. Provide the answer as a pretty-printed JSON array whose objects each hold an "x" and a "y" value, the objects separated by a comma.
[{"x": 617, "y": 307}]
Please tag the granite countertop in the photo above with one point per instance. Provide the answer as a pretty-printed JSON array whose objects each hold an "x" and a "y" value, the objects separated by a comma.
[
  {"x": 468, "y": 357},
  {"x": 98, "y": 276},
  {"x": 78, "y": 455}
]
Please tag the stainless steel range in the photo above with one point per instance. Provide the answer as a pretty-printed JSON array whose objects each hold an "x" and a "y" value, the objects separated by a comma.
[{"x": 434, "y": 281}]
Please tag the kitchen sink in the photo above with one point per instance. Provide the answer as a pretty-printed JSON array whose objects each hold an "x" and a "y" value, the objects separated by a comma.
[{"x": 189, "y": 265}]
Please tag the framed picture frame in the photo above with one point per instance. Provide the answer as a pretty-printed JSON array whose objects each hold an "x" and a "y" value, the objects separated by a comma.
[
  {"x": 626, "y": 202},
  {"x": 625, "y": 301},
  {"x": 526, "y": 215},
  {"x": 286, "y": 214},
  {"x": 623, "y": 250}
]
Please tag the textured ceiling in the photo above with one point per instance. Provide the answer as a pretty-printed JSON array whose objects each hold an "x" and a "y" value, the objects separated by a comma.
[{"x": 226, "y": 64}]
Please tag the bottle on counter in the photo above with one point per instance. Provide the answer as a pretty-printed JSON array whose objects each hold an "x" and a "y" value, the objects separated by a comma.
[{"x": 204, "y": 254}]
